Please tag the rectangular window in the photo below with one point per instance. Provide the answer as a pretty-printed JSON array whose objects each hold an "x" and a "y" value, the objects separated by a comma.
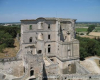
[
  {"x": 30, "y": 27},
  {"x": 48, "y": 26},
  {"x": 39, "y": 51},
  {"x": 49, "y": 50},
  {"x": 49, "y": 36}
]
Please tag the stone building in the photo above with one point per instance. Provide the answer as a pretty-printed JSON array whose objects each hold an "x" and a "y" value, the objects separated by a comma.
[
  {"x": 54, "y": 38},
  {"x": 48, "y": 51}
]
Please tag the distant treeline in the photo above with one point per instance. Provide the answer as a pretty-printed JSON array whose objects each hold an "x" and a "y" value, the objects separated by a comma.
[
  {"x": 11, "y": 30},
  {"x": 7, "y": 35},
  {"x": 89, "y": 47},
  {"x": 87, "y": 22}
]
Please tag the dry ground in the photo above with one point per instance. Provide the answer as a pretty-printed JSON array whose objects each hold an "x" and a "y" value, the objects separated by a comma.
[
  {"x": 10, "y": 52},
  {"x": 91, "y": 35},
  {"x": 90, "y": 64},
  {"x": 97, "y": 62},
  {"x": 94, "y": 33},
  {"x": 87, "y": 36}
]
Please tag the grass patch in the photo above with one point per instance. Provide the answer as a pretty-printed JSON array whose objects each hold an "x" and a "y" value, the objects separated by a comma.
[
  {"x": 81, "y": 29},
  {"x": 81, "y": 25},
  {"x": 97, "y": 29}
]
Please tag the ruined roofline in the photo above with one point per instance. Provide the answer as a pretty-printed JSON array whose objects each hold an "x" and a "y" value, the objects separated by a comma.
[{"x": 50, "y": 18}]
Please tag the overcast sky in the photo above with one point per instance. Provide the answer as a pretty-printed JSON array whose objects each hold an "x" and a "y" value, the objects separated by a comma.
[{"x": 82, "y": 10}]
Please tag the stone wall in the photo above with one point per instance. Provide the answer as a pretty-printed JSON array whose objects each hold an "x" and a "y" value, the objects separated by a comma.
[
  {"x": 80, "y": 77},
  {"x": 14, "y": 68},
  {"x": 80, "y": 69},
  {"x": 68, "y": 49}
]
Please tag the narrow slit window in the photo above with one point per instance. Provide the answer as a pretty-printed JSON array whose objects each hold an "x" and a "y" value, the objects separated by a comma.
[
  {"x": 49, "y": 48},
  {"x": 24, "y": 69},
  {"x": 49, "y": 36},
  {"x": 48, "y": 26}
]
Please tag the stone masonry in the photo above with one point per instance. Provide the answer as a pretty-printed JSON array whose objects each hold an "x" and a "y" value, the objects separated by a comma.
[{"x": 48, "y": 51}]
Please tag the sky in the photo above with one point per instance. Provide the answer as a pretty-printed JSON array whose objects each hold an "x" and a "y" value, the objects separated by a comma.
[{"x": 82, "y": 10}]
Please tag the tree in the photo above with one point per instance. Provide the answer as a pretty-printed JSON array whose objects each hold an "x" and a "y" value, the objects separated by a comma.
[
  {"x": 91, "y": 28},
  {"x": 2, "y": 46},
  {"x": 6, "y": 40},
  {"x": 89, "y": 47}
]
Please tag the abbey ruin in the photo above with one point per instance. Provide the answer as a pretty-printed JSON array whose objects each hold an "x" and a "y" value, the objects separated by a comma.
[{"x": 48, "y": 51}]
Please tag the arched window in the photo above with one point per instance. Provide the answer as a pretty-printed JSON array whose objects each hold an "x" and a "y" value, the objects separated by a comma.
[
  {"x": 30, "y": 40},
  {"x": 31, "y": 72},
  {"x": 49, "y": 48},
  {"x": 40, "y": 25},
  {"x": 40, "y": 36},
  {"x": 49, "y": 45}
]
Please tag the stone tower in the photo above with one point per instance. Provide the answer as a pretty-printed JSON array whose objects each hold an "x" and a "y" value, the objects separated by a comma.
[
  {"x": 53, "y": 41},
  {"x": 48, "y": 51}
]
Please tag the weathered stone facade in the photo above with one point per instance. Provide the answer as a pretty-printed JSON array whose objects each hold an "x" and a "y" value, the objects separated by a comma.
[
  {"x": 49, "y": 51},
  {"x": 55, "y": 39}
]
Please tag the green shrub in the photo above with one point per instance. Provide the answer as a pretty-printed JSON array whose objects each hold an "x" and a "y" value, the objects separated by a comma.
[{"x": 81, "y": 33}]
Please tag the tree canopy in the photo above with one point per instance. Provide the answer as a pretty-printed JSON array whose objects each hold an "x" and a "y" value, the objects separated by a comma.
[
  {"x": 89, "y": 47},
  {"x": 7, "y": 35},
  {"x": 91, "y": 28}
]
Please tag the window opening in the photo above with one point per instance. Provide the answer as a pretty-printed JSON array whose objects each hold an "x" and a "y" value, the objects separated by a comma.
[
  {"x": 48, "y": 26},
  {"x": 49, "y": 36},
  {"x": 30, "y": 40},
  {"x": 39, "y": 51},
  {"x": 49, "y": 48},
  {"x": 31, "y": 72}
]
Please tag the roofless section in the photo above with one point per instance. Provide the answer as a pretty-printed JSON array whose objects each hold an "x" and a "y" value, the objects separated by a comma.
[{"x": 51, "y": 18}]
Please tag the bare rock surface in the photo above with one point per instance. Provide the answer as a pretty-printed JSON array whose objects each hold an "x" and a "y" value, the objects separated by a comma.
[{"x": 90, "y": 64}]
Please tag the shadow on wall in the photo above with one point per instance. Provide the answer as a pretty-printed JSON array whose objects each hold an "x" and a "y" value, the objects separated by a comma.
[
  {"x": 70, "y": 69},
  {"x": 61, "y": 35},
  {"x": 44, "y": 73}
]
